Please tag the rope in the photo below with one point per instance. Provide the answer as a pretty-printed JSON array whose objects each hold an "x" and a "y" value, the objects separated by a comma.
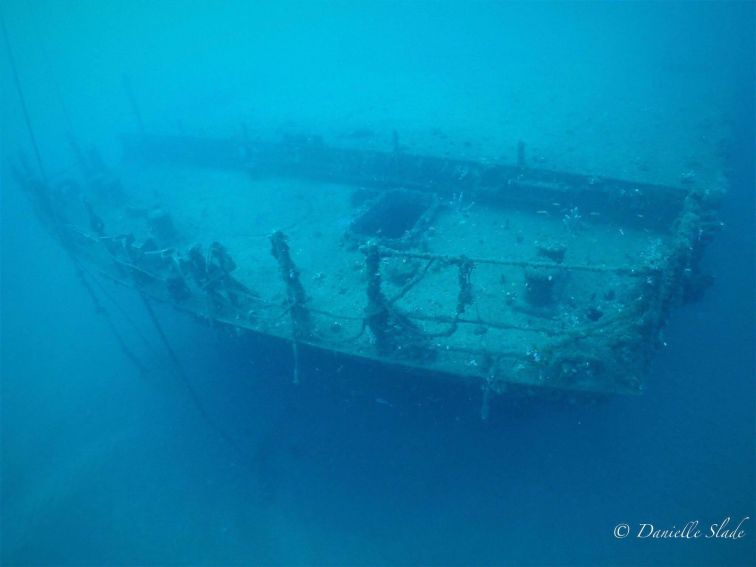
[
  {"x": 182, "y": 375},
  {"x": 113, "y": 329},
  {"x": 123, "y": 312},
  {"x": 412, "y": 283}
]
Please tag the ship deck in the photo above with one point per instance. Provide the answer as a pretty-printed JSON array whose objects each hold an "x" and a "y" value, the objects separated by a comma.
[{"x": 508, "y": 277}]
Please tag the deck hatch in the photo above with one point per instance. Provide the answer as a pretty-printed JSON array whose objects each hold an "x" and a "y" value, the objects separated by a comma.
[{"x": 393, "y": 215}]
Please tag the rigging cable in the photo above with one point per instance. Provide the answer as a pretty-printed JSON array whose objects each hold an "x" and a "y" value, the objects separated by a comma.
[
  {"x": 100, "y": 310},
  {"x": 124, "y": 313},
  {"x": 20, "y": 91},
  {"x": 56, "y": 223},
  {"x": 51, "y": 210},
  {"x": 181, "y": 373}
]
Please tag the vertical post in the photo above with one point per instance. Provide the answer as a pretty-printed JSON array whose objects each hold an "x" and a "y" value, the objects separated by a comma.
[
  {"x": 395, "y": 334},
  {"x": 300, "y": 317},
  {"x": 465, "y": 296},
  {"x": 377, "y": 316}
]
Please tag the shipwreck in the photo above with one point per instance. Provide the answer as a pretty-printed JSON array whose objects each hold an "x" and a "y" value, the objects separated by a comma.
[{"x": 503, "y": 276}]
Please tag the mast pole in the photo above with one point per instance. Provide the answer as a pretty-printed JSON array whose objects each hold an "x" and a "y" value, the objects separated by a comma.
[{"x": 22, "y": 98}]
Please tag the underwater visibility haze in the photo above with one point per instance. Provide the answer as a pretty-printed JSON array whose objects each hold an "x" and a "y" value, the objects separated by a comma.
[{"x": 377, "y": 283}]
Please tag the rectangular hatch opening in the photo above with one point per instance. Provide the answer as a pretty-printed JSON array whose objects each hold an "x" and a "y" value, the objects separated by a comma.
[{"x": 393, "y": 215}]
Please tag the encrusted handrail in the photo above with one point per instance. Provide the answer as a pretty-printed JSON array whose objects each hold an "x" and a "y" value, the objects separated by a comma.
[{"x": 620, "y": 270}]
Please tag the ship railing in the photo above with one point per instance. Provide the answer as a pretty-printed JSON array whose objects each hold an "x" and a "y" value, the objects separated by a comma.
[{"x": 382, "y": 316}]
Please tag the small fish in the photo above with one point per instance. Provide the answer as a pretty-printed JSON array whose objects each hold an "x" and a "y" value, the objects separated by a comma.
[{"x": 383, "y": 402}]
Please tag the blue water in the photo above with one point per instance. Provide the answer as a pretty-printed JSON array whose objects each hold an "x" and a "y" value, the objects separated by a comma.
[{"x": 102, "y": 465}]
